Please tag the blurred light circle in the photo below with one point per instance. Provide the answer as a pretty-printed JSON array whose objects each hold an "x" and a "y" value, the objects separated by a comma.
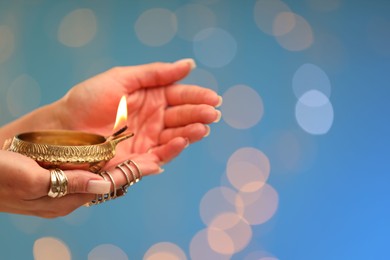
[
  {"x": 259, "y": 255},
  {"x": 192, "y": 18},
  {"x": 202, "y": 78},
  {"x": 77, "y": 28},
  {"x": 220, "y": 241},
  {"x": 7, "y": 42},
  {"x": 258, "y": 207},
  {"x": 229, "y": 233},
  {"x": 242, "y": 107},
  {"x": 107, "y": 251},
  {"x": 156, "y": 27},
  {"x": 265, "y": 13},
  {"x": 310, "y": 77},
  {"x": 217, "y": 201},
  {"x": 299, "y": 38},
  {"x": 200, "y": 247},
  {"x": 314, "y": 112},
  {"x": 283, "y": 23},
  {"x": 214, "y": 47},
  {"x": 23, "y": 95},
  {"x": 248, "y": 169},
  {"x": 48, "y": 248},
  {"x": 324, "y": 6},
  {"x": 165, "y": 250}
]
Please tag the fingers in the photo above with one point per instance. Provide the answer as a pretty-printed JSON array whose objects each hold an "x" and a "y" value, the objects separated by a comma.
[
  {"x": 192, "y": 132},
  {"x": 189, "y": 94},
  {"x": 83, "y": 187},
  {"x": 171, "y": 149},
  {"x": 153, "y": 74},
  {"x": 187, "y": 114}
]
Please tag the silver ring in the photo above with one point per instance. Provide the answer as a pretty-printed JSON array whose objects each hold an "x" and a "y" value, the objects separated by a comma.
[
  {"x": 124, "y": 188},
  {"x": 113, "y": 195},
  {"x": 58, "y": 184},
  {"x": 140, "y": 175},
  {"x": 131, "y": 171}
]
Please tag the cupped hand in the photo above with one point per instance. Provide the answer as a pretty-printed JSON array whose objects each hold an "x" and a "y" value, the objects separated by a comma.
[{"x": 165, "y": 116}]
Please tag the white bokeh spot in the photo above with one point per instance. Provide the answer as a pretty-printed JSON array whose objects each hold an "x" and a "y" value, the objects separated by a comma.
[
  {"x": 48, "y": 248},
  {"x": 314, "y": 112},
  {"x": 77, "y": 28},
  {"x": 242, "y": 107},
  {"x": 156, "y": 27},
  {"x": 215, "y": 47}
]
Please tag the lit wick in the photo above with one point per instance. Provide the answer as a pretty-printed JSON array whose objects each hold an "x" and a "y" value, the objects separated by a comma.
[
  {"x": 119, "y": 131},
  {"x": 121, "y": 118}
]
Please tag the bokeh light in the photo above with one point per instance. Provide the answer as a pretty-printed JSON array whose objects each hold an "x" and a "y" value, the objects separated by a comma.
[
  {"x": 217, "y": 201},
  {"x": 300, "y": 37},
  {"x": 7, "y": 42},
  {"x": 193, "y": 18},
  {"x": 310, "y": 77},
  {"x": 165, "y": 251},
  {"x": 242, "y": 107},
  {"x": 215, "y": 47},
  {"x": 259, "y": 255},
  {"x": 220, "y": 241},
  {"x": 258, "y": 207},
  {"x": 314, "y": 112},
  {"x": 248, "y": 169},
  {"x": 200, "y": 247},
  {"x": 156, "y": 27},
  {"x": 265, "y": 13},
  {"x": 202, "y": 78},
  {"x": 77, "y": 28},
  {"x": 284, "y": 22},
  {"x": 23, "y": 95},
  {"x": 107, "y": 251},
  {"x": 229, "y": 233},
  {"x": 48, "y": 248}
]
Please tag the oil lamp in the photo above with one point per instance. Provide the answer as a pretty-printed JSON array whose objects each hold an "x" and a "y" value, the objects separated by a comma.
[{"x": 66, "y": 149}]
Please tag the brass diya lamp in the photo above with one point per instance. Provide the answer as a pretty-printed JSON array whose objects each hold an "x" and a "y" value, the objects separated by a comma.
[{"x": 65, "y": 149}]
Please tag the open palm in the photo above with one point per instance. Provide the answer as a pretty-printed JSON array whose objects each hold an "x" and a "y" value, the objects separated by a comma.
[{"x": 164, "y": 115}]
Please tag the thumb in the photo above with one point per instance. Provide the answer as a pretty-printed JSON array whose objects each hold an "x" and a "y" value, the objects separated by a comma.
[{"x": 80, "y": 181}]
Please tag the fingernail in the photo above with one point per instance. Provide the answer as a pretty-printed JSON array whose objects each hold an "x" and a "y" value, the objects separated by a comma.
[
  {"x": 98, "y": 187},
  {"x": 219, "y": 102},
  {"x": 219, "y": 115},
  {"x": 160, "y": 170},
  {"x": 190, "y": 61},
  {"x": 187, "y": 143},
  {"x": 207, "y": 131}
]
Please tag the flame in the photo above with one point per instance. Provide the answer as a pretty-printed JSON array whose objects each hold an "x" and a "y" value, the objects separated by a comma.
[{"x": 121, "y": 114}]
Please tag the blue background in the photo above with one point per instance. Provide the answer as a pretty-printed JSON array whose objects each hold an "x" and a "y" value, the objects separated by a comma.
[{"x": 334, "y": 205}]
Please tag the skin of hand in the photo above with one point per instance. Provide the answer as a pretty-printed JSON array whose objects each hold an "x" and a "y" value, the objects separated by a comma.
[{"x": 165, "y": 116}]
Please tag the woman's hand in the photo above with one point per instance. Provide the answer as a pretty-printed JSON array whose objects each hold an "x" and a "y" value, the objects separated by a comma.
[{"x": 164, "y": 115}]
